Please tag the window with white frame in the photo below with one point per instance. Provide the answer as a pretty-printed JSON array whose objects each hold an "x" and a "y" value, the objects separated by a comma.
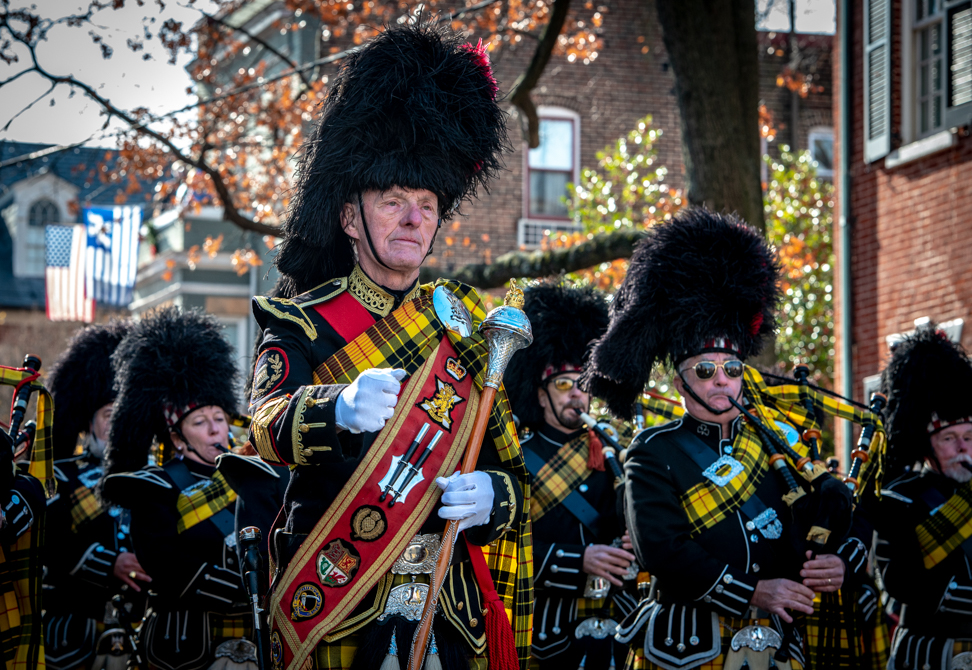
[
  {"x": 41, "y": 214},
  {"x": 552, "y": 165},
  {"x": 939, "y": 88},
  {"x": 821, "y": 141}
]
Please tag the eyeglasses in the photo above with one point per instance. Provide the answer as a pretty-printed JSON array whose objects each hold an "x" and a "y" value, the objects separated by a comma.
[
  {"x": 707, "y": 369},
  {"x": 564, "y": 383}
]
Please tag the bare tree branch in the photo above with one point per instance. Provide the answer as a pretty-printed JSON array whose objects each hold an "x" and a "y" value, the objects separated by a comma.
[
  {"x": 31, "y": 104},
  {"x": 601, "y": 248},
  {"x": 302, "y": 73},
  {"x": 520, "y": 93}
]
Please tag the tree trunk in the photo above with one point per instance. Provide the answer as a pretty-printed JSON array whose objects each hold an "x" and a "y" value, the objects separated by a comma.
[{"x": 713, "y": 54}]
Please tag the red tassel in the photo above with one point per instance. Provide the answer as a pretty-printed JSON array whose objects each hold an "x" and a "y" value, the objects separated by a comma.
[
  {"x": 595, "y": 452},
  {"x": 499, "y": 631}
]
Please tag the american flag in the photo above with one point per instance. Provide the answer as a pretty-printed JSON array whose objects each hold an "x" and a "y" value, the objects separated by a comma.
[
  {"x": 112, "y": 255},
  {"x": 66, "y": 296}
]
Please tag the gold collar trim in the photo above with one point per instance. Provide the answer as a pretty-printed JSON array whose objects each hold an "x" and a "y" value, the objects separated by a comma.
[{"x": 372, "y": 296}]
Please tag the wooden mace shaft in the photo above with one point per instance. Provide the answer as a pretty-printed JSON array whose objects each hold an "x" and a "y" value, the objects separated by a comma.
[{"x": 444, "y": 559}]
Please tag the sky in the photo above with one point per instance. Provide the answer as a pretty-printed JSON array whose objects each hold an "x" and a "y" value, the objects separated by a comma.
[{"x": 130, "y": 82}]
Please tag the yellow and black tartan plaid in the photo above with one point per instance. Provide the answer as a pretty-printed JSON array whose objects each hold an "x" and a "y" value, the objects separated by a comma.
[
  {"x": 21, "y": 632},
  {"x": 224, "y": 627},
  {"x": 836, "y": 638},
  {"x": 944, "y": 531},
  {"x": 42, "y": 453},
  {"x": 560, "y": 475},
  {"x": 405, "y": 339},
  {"x": 85, "y": 507},
  {"x": 202, "y": 503}
]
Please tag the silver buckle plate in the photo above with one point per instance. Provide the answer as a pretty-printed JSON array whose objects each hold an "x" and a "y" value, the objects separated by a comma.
[
  {"x": 407, "y": 600},
  {"x": 596, "y": 628},
  {"x": 596, "y": 588},
  {"x": 962, "y": 661},
  {"x": 419, "y": 556},
  {"x": 768, "y": 523},
  {"x": 711, "y": 472},
  {"x": 757, "y": 638}
]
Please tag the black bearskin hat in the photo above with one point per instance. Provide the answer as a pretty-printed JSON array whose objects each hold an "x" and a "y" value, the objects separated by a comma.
[
  {"x": 81, "y": 382},
  {"x": 927, "y": 383},
  {"x": 565, "y": 321},
  {"x": 701, "y": 282},
  {"x": 171, "y": 362},
  {"x": 414, "y": 108}
]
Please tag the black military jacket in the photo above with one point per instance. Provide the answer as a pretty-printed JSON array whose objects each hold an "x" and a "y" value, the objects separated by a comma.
[
  {"x": 294, "y": 423},
  {"x": 84, "y": 539},
  {"x": 721, "y": 565},
  {"x": 193, "y": 570},
  {"x": 559, "y": 541},
  {"x": 938, "y": 601}
]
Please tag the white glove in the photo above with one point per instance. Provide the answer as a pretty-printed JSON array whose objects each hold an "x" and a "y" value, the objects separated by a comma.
[
  {"x": 467, "y": 499},
  {"x": 369, "y": 401}
]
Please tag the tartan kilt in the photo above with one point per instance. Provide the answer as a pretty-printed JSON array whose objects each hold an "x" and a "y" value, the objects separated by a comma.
[
  {"x": 339, "y": 655},
  {"x": 837, "y": 639},
  {"x": 728, "y": 627}
]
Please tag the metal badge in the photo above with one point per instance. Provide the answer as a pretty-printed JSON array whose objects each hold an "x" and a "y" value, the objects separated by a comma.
[
  {"x": 792, "y": 436},
  {"x": 712, "y": 472},
  {"x": 757, "y": 638},
  {"x": 596, "y": 588},
  {"x": 407, "y": 600},
  {"x": 768, "y": 523},
  {"x": 451, "y": 312},
  {"x": 596, "y": 628},
  {"x": 962, "y": 661},
  {"x": 419, "y": 556}
]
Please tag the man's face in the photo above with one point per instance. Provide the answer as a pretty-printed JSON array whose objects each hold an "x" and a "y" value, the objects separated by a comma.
[
  {"x": 715, "y": 391},
  {"x": 101, "y": 421},
  {"x": 401, "y": 222},
  {"x": 563, "y": 406},
  {"x": 952, "y": 446}
]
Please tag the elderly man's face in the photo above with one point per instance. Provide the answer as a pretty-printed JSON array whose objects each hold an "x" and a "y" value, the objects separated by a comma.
[
  {"x": 563, "y": 401},
  {"x": 952, "y": 446},
  {"x": 401, "y": 222},
  {"x": 715, "y": 391}
]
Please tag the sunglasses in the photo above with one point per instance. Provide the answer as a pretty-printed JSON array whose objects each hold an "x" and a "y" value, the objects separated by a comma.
[
  {"x": 564, "y": 383},
  {"x": 707, "y": 369}
]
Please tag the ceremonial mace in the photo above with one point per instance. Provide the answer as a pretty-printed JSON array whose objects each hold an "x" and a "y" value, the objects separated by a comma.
[{"x": 506, "y": 330}]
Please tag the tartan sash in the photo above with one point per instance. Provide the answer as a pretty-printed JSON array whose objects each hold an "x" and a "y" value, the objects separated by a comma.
[
  {"x": 338, "y": 562},
  {"x": 947, "y": 527},
  {"x": 86, "y": 507},
  {"x": 559, "y": 476},
  {"x": 203, "y": 501},
  {"x": 42, "y": 453}
]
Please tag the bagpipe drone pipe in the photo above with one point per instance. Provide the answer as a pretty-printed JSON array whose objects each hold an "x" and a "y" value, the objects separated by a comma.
[{"x": 30, "y": 440}]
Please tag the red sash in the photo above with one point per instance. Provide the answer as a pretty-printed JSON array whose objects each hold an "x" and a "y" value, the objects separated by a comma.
[{"x": 355, "y": 543}]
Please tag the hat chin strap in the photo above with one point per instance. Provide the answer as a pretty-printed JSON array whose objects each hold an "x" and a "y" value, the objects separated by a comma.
[
  {"x": 696, "y": 398},
  {"x": 371, "y": 245},
  {"x": 555, "y": 412}
]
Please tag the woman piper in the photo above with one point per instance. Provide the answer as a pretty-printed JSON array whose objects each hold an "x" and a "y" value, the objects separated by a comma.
[{"x": 177, "y": 387}]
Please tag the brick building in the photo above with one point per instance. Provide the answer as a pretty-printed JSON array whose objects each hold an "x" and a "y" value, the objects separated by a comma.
[{"x": 909, "y": 206}]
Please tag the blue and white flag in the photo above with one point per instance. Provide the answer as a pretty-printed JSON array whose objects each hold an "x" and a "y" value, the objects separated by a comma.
[{"x": 112, "y": 260}]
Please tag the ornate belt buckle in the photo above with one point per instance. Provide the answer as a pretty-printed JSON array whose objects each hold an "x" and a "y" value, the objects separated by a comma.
[
  {"x": 757, "y": 638},
  {"x": 407, "y": 601},
  {"x": 596, "y": 588},
  {"x": 962, "y": 661},
  {"x": 768, "y": 523},
  {"x": 712, "y": 473},
  {"x": 419, "y": 556},
  {"x": 596, "y": 628}
]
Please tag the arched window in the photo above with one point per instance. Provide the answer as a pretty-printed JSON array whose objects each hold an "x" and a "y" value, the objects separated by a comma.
[{"x": 44, "y": 212}]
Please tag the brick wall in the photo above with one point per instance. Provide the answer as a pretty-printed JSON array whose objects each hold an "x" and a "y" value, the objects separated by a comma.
[
  {"x": 910, "y": 226},
  {"x": 610, "y": 94}
]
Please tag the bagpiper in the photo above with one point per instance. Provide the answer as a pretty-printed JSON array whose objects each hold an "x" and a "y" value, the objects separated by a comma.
[
  {"x": 922, "y": 517},
  {"x": 178, "y": 387},
  {"x": 573, "y": 506},
  {"x": 360, "y": 362},
  {"x": 707, "y": 517},
  {"x": 89, "y": 553}
]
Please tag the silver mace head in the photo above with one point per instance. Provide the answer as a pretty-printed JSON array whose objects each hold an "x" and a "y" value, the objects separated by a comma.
[{"x": 507, "y": 330}]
